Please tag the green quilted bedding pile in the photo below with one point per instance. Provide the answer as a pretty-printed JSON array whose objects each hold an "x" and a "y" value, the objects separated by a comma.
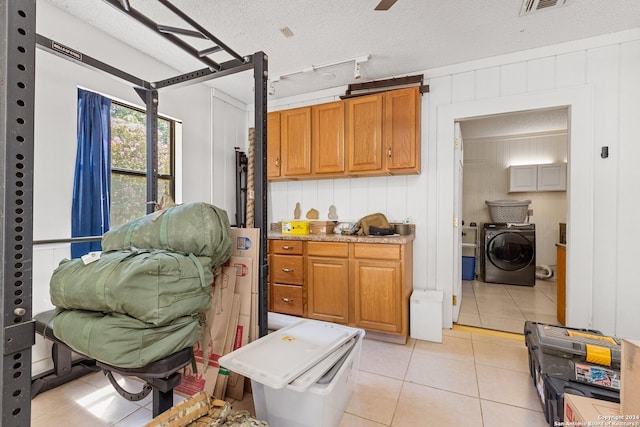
[{"x": 146, "y": 295}]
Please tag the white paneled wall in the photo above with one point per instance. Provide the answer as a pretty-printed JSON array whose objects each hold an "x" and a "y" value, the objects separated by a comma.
[
  {"x": 594, "y": 78},
  {"x": 486, "y": 177}
]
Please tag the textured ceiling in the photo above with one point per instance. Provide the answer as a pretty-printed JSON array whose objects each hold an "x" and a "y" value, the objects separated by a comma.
[{"x": 412, "y": 36}]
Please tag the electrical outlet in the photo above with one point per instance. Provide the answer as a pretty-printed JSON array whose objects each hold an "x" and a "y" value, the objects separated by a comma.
[{"x": 530, "y": 212}]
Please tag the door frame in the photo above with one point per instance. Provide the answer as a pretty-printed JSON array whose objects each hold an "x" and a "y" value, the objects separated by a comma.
[{"x": 580, "y": 190}]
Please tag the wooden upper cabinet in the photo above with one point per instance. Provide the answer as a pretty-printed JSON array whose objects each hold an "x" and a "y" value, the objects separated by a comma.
[
  {"x": 364, "y": 133},
  {"x": 327, "y": 140},
  {"x": 273, "y": 145},
  {"x": 295, "y": 141},
  {"x": 402, "y": 130}
]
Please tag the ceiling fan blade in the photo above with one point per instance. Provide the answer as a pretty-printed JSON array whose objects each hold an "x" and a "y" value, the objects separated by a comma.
[{"x": 385, "y": 4}]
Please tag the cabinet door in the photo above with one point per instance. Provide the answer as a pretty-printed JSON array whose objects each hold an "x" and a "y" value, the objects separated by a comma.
[
  {"x": 378, "y": 295},
  {"x": 552, "y": 177},
  {"x": 523, "y": 178},
  {"x": 328, "y": 289},
  {"x": 402, "y": 130},
  {"x": 273, "y": 145},
  {"x": 295, "y": 140},
  {"x": 328, "y": 138},
  {"x": 364, "y": 133}
]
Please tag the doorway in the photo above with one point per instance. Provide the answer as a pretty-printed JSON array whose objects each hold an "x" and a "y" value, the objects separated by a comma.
[
  {"x": 580, "y": 202},
  {"x": 493, "y": 144}
]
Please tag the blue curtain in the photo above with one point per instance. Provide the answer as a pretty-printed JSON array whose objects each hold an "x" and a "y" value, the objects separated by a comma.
[{"x": 92, "y": 180}]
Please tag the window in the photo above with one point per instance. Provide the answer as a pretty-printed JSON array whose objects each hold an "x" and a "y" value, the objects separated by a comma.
[{"x": 129, "y": 162}]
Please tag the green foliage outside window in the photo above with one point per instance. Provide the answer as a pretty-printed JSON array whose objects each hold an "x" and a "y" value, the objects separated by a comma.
[{"x": 128, "y": 162}]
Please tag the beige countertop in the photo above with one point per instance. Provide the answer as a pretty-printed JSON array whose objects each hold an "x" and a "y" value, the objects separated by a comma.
[{"x": 397, "y": 239}]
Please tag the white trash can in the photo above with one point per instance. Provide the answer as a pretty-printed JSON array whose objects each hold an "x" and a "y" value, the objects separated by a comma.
[{"x": 425, "y": 313}]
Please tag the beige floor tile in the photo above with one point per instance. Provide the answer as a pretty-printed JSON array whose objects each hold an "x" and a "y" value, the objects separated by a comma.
[
  {"x": 349, "y": 420},
  {"x": 543, "y": 318},
  {"x": 456, "y": 334},
  {"x": 97, "y": 407},
  {"x": 469, "y": 320},
  {"x": 468, "y": 305},
  {"x": 451, "y": 347},
  {"x": 490, "y": 338},
  {"x": 375, "y": 397},
  {"x": 500, "y": 309},
  {"x": 139, "y": 418},
  {"x": 499, "y": 415},
  {"x": 501, "y": 356},
  {"x": 444, "y": 373},
  {"x": 489, "y": 289},
  {"x": 386, "y": 359},
  {"x": 508, "y": 387},
  {"x": 425, "y": 406},
  {"x": 503, "y": 324}
]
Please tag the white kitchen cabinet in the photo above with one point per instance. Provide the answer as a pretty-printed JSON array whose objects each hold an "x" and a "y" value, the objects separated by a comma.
[
  {"x": 552, "y": 177},
  {"x": 523, "y": 178},
  {"x": 547, "y": 177}
]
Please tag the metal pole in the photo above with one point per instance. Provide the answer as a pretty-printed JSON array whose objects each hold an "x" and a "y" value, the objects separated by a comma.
[
  {"x": 260, "y": 75},
  {"x": 17, "y": 98}
]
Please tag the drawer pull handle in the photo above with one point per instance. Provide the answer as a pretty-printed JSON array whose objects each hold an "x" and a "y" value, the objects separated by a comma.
[
  {"x": 286, "y": 248},
  {"x": 287, "y": 300},
  {"x": 288, "y": 270}
]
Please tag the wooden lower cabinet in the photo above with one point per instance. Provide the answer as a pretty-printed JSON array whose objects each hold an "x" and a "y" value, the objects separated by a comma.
[
  {"x": 561, "y": 291},
  {"x": 366, "y": 285},
  {"x": 377, "y": 295}
]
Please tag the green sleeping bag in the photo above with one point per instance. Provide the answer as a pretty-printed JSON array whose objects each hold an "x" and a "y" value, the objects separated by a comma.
[
  {"x": 122, "y": 341},
  {"x": 156, "y": 287},
  {"x": 194, "y": 228}
]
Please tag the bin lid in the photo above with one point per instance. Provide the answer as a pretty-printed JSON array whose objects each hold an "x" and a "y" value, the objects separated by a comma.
[
  {"x": 505, "y": 203},
  {"x": 277, "y": 358}
]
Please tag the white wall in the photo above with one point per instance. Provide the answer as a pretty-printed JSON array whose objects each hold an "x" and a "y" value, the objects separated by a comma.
[{"x": 597, "y": 80}]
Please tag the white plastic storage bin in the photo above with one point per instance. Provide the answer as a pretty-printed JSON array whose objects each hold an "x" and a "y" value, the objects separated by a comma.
[
  {"x": 425, "y": 313},
  {"x": 287, "y": 370}
]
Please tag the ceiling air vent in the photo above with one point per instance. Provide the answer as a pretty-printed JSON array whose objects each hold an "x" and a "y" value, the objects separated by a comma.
[{"x": 531, "y": 6}]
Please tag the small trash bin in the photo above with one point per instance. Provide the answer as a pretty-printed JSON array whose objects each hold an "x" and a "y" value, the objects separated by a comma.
[
  {"x": 468, "y": 268},
  {"x": 425, "y": 313}
]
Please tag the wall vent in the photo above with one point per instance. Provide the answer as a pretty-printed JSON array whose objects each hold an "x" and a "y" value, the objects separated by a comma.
[{"x": 531, "y": 6}]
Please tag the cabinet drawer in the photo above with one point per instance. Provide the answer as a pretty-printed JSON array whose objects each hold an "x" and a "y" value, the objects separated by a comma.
[
  {"x": 330, "y": 249},
  {"x": 287, "y": 269},
  {"x": 286, "y": 247},
  {"x": 287, "y": 299},
  {"x": 376, "y": 251}
]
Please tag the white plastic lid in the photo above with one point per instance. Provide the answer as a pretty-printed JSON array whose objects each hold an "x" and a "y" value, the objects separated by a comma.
[{"x": 276, "y": 359}]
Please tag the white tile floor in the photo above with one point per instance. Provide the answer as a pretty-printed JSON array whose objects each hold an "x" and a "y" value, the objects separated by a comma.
[
  {"x": 471, "y": 379},
  {"x": 506, "y": 307}
]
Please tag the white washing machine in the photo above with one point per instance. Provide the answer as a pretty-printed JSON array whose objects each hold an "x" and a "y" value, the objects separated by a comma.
[{"x": 509, "y": 253}]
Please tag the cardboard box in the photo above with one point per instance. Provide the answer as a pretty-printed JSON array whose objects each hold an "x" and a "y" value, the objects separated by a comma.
[
  {"x": 630, "y": 378},
  {"x": 295, "y": 227},
  {"x": 579, "y": 409},
  {"x": 321, "y": 227}
]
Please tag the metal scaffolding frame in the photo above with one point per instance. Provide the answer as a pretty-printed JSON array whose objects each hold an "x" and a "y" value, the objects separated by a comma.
[{"x": 17, "y": 97}]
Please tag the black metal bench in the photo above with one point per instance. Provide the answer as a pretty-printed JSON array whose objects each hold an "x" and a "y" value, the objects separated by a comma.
[{"x": 160, "y": 377}]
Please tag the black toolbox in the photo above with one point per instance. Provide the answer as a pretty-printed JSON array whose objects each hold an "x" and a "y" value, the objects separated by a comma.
[{"x": 561, "y": 360}]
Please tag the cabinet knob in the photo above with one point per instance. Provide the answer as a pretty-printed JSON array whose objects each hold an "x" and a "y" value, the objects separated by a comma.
[
  {"x": 288, "y": 270},
  {"x": 389, "y": 153},
  {"x": 278, "y": 163},
  {"x": 287, "y": 300}
]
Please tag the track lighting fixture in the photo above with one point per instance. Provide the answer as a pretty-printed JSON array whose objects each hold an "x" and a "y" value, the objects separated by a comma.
[{"x": 356, "y": 71}]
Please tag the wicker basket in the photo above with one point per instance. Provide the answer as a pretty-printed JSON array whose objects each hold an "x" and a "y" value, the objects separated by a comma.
[{"x": 508, "y": 210}]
